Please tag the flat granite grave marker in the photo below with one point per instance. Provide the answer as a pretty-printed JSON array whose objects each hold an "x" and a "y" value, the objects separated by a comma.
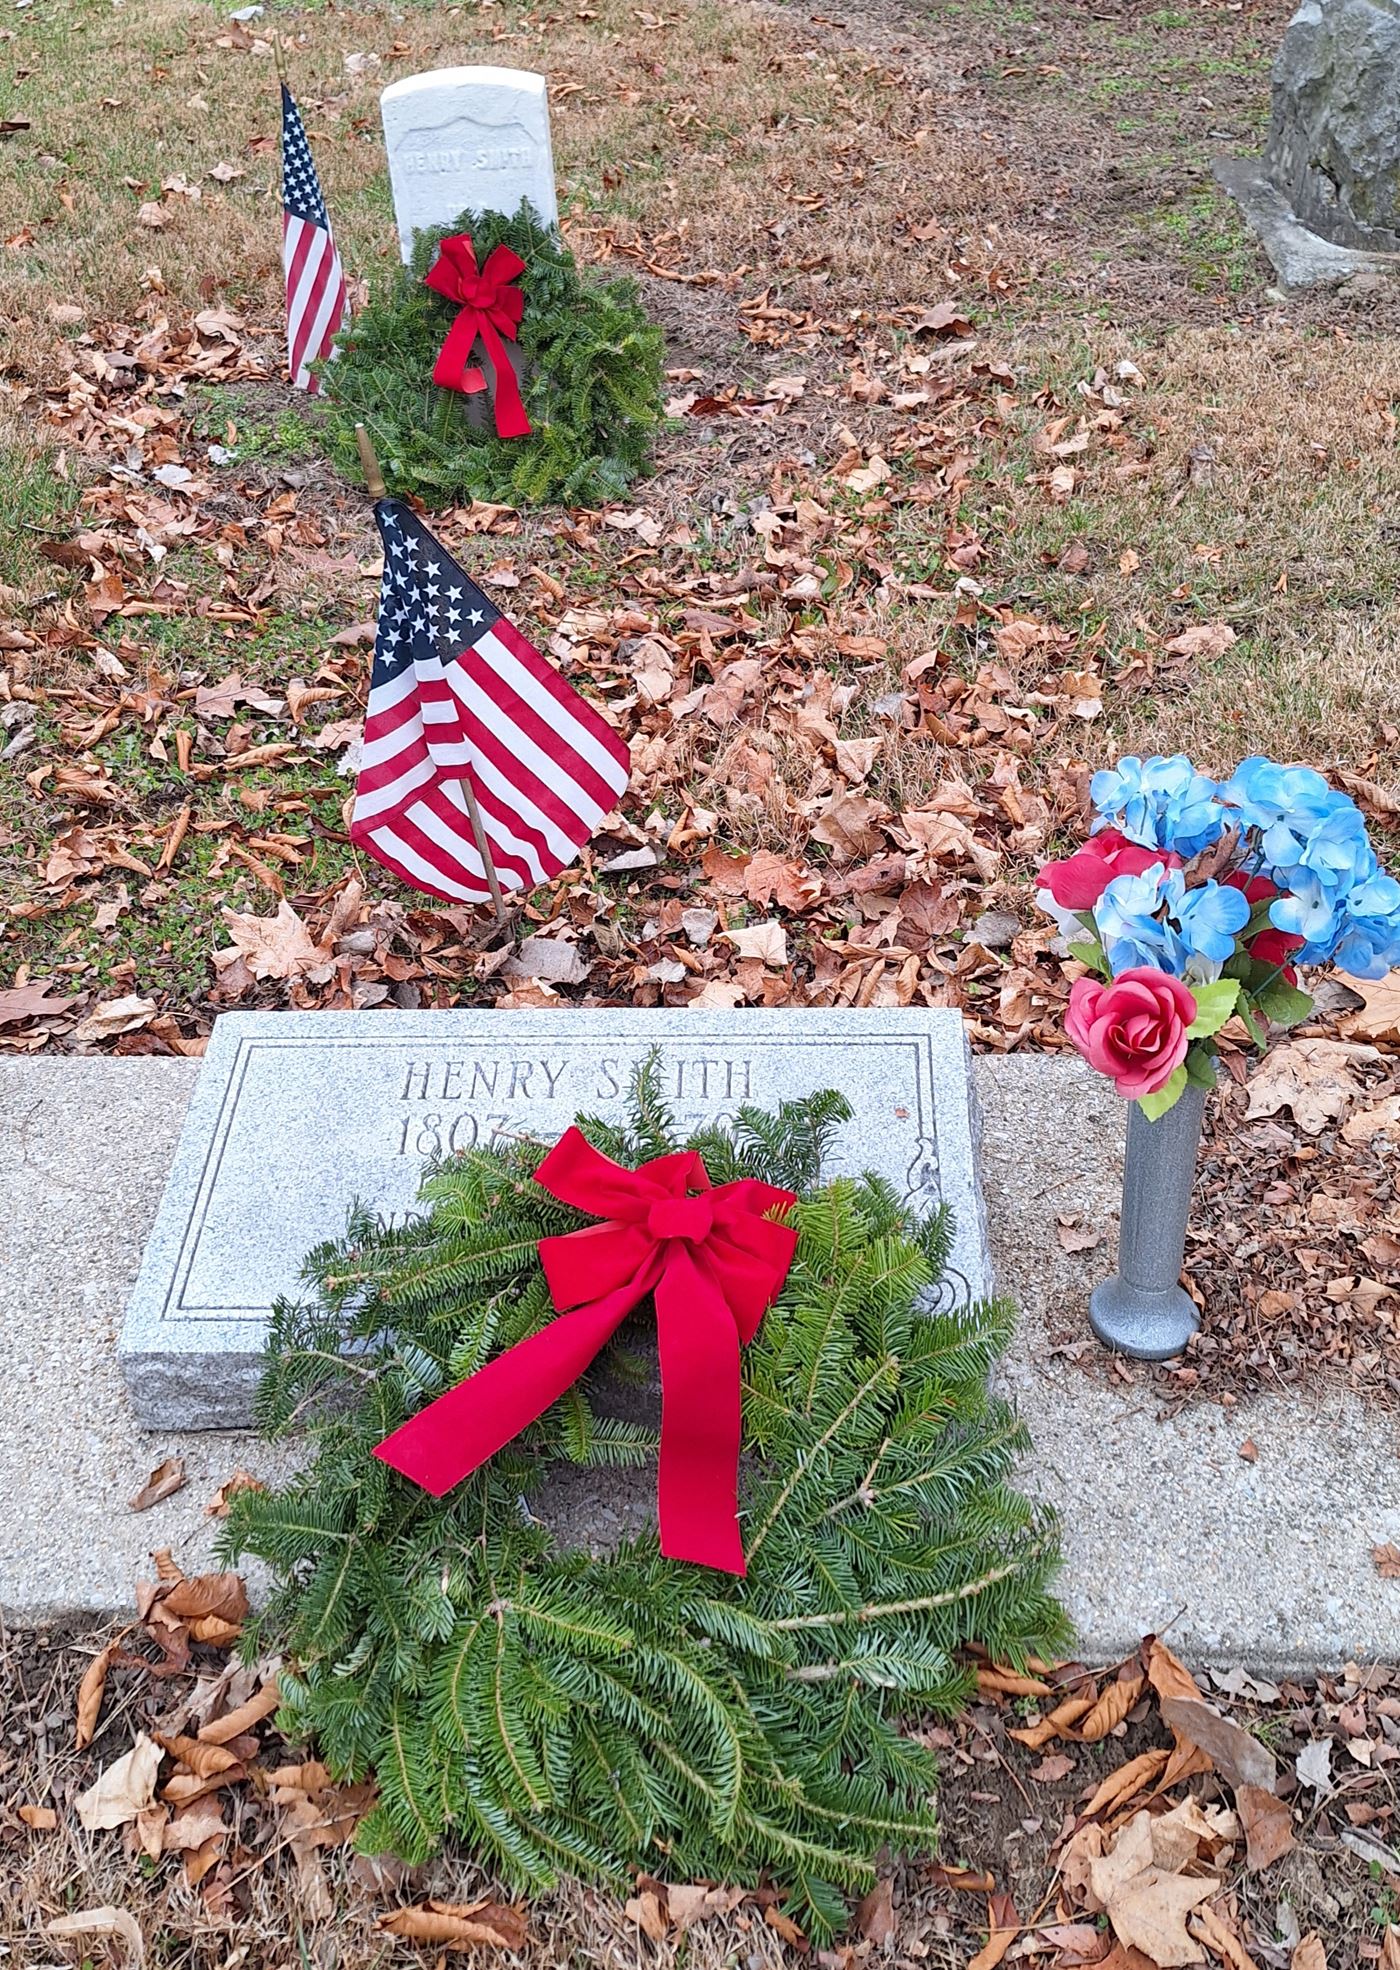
[
  {"x": 296, "y": 1115},
  {"x": 466, "y": 138}
]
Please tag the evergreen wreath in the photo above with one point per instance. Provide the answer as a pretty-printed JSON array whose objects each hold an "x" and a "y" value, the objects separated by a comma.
[
  {"x": 592, "y": 383},
  {"x": 566, "y": 1714}
]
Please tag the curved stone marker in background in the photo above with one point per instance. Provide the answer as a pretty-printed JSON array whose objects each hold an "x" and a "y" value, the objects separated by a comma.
[{"x": 1324, "y": 200}]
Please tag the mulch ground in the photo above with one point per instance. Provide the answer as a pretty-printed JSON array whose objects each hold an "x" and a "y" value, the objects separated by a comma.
[{"x": 239, "y": 1854}]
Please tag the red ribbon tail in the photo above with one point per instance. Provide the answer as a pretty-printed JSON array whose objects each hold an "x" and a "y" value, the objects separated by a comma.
[
  {"x": 511, "y": 421},
  {"x": 452, "y": 369},
  {"x": 457, "y": 1433},
  {"x": 698, "y": 1475}
]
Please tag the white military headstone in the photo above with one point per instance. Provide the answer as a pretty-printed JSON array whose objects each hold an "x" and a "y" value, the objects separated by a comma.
[
  {"x": 467, "y": 138},
  {"x": 296, "y": 1115}
]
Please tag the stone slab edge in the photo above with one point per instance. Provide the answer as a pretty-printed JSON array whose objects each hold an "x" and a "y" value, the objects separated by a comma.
[{"x": 1301, "y": 258}]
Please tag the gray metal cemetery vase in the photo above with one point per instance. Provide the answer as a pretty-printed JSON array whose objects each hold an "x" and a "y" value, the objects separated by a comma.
[{"x": 1142, "y": 1310}]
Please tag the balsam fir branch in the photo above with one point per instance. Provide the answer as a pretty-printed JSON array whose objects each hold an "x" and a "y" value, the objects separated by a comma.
[
  {"x": 570, "y": 1715},
  {"x": 591, "y": 388}
]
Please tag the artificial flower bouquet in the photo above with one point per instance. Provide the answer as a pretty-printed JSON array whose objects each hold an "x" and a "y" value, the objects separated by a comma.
[{"x": 1195, "y": 901}]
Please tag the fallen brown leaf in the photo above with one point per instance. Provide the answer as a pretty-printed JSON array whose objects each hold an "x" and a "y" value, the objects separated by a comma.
[
  {"x": 1112, "y": 1707},
  {"x": 165, "y": 1480},
  {"x": 1377, "y": 1019},
  {"x": 1268, "y": 1826},
  {"x": 105, "y": 1921},
  {"x": 90, "y": 1693},
  {"x": 234, "y": 1722},
  {"x": 1146, "y": 1904},
  {"x": 126, "y": 1788},
  {"x": 459, "y": 1925},
  {"x": 19, "y": 1002}
]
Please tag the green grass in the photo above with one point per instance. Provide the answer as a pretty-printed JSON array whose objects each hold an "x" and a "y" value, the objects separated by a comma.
[{"x": 35, "y": 505}]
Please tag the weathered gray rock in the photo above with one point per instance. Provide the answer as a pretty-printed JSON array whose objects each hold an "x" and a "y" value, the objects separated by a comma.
[
  {"x": 1324, "y": 200},
  {"x": 1334, "y": 141},
  {"x": 296, "y": 1116}
]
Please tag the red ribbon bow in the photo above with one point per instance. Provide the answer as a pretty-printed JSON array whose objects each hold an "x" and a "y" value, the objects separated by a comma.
[
  {"x": 715, "y": 1263},
  {"x": 488, "y": 303}
]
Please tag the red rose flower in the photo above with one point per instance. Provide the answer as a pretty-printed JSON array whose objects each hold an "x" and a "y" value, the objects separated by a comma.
[
  {"x": 1133, "y": 1030},
  {"x": 1269, "y": 946},
  {"x": 1080, "y": 880}
]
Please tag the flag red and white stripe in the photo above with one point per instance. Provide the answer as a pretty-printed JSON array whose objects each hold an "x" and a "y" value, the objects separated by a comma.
[
  {"x": 315, "y": 279},
  {"x": 458, "y": 693}
]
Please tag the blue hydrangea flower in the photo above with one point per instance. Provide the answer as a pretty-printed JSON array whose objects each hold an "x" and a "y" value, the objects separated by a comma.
[
  {"x": 1208, "y": 916},
  {"x": 1130, "y": 930},
  {"x": 1367, "y": 944},
  {"x": 1162, "y": 803}
]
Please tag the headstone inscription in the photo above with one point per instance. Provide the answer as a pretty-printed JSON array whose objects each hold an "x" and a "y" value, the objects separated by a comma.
[
  {"x": 295, "y": 1116},
  {"x": 466, "y": 138}
]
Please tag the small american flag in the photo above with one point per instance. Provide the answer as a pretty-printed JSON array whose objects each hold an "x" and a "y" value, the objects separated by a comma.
[
  {"x": 315, "y": 280},
  {"x": 457, "y": 692}
]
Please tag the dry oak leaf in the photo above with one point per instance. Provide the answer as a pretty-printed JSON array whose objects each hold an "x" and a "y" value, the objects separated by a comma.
[
  {"x": 765, "y": 941},
  {"x": 105, "y": 1921},
  {"x": 849, "y": 825},
  {"x": 875, "y": 1917},
  {"x": 1179, "y": 1835},
  {"x": 1205, "y": 639},
  {"x": 1379, "y": 1018},
  {"x": 688, "y": 1903},
  {"x": 1387, "y": 1560},
  {"x": 1146, "y": 1904},
  {"x": 1309, "y": 1953},
  {"x": 18, "y": 1002},
  {"x": 165, "y": 1480},
  {"x": 459, "y": 1925},
  {"x": 124, "y": 1790},
  {"x": 1310, "y": 1077},
  {"x": 115, "y": 1016},
  {"x": 1268, "y": 1826},
  {"x": 647, "y": 1912},
  {"x": 272, "y": 947},
  {"x": 1382, "y": 1119},
  {"x": 43, "y": 1819},
  {"x": 1390, "y": 1949}
]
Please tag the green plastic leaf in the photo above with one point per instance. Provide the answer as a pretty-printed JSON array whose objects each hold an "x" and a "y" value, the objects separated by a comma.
[
  {"x": 1156, "y": 1105},
  {"x": 1214, "y": 1004},
  {"x": 1284, "y": 1004},
  {"x": 1200, "y": 1066},
  {"x": 1089, "y": 954},
  {"x": 1252, "y": 1026}
]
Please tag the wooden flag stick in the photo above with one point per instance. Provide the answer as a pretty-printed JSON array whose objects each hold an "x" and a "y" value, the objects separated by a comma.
[
  {"x": 374, "y": 479},
  {"x": 483, "y": 846}
]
